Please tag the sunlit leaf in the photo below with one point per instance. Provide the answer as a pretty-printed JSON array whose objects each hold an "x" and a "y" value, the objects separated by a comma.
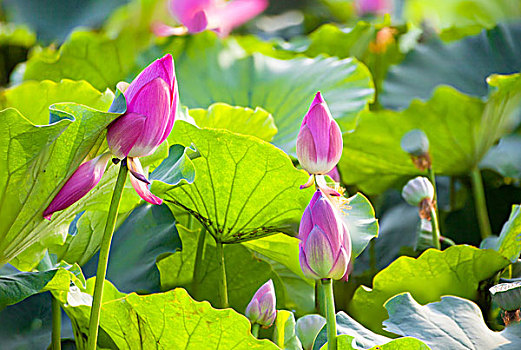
[
  {"x": 458, "y": 270},
  {"x": 452, "y": 323}
]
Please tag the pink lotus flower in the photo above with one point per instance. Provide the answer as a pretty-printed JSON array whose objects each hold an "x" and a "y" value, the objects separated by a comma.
[
  {"x": 325, "y": 244},
  {"x": 217, "y": 15},
  {"x": 378, "y": 7},
  {"x": 84, "y": 179},
  {"x": 319, "y": 142},
  {"x": 151, "y": 109},
  {"x": 262, "y": 307}
]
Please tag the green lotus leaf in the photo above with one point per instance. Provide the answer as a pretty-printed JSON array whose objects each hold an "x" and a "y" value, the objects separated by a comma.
[
  {"x": 245, "y": 188},
  {"x": 452, "y": 323},
  {"x": 458, "y": 270}
]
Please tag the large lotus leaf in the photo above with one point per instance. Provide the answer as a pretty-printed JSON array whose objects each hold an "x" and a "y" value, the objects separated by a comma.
[
  {"x": 508, "y": 243},
  {"x": 241, "y": 120},
  {"x": 464, "y": 64},
  {"x": 245, "y": 273},
  {"x": 32, "y": 99},
  {"x": 461, "y": 129},
  {"x": 505, "y": 158},
  {"x": 352, "y": 335},
  {"x": 398, "y": 229},
  {"x": 36, "y": 162},
  {"x": 16, "y": 287},
  {"x": 452, "y": 323},
  {"x": 284, "y": 334},
  {"x": 93, "y": 57},
  {"x": 170, "y": 320},
  {"x": 458, "y": 270},
  {"x": 345, "y": 342},
  {"x": 148, "y": 233},
  {"x": 284, "y": 88},
  {"x": 458, "y": 18},
  {"x": 245, "y": 188}
]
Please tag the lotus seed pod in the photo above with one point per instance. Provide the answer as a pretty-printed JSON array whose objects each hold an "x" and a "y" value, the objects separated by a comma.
[
  {"x": 308, "y": 328},
  {"x": 415, "y": 142},
  {"x": 507, "y": 295},
  {"x": 417, "y": 190}
]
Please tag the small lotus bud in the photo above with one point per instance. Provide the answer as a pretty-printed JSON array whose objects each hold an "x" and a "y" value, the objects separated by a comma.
[
  {"x": 417, "y": 189},
  {"x": 307, "y": 329},
  {"x": 319, "y": 142},
  {"x": 507, "y": 295},
  {"x": 415, "y": 142},
  {"x": 262, "y": 307},
  {"x": 325, "y": 244}
]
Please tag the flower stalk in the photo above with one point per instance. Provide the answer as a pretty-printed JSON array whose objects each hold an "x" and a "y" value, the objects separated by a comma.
[
  {"x": 199, "y": 254},
  {"x": 327, "y": 283},
  {"x": 255, "y": 329},
  {"x": 104, "y": 255},
  {"x": 480, "y": 203},
  {"x": 223, "y": 287},
  {"x": 56, "y": 323}
]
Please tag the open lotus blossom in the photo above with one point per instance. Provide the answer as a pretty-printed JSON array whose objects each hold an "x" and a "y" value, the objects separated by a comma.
[
  {"x": 218, "y": 15},
  {"x": 319, "y": 142},
  {"x": 325, "y": 244},
  {"x": 377, "y": 7},
  {"x": 262, "y": 307},
  {"x": 151, "y": 109}
]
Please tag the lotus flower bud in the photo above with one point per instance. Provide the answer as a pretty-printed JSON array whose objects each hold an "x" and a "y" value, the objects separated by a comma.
[
  {"x": 218, "y": 15},
  {"x": 417, "y": 189},
  {"x": 319, "y": 142},
  {"x": 307, "y": 329},
  {"x": 262, "y": 307},
  {"x": 415, "y": 142},
  {"x": 84, "y": 179},
  {"x": 325, "y": 244},
  {"x": 151, "y": 109}
]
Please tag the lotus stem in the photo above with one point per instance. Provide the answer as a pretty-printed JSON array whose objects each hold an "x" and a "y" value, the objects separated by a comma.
[
  {"x": 198, "y": 262},
  {"x": 56, "y": 323},
  {"x": 480, "y": 203},
  {"x": 223, "y": 289},
  {"x": 255, "y": 329},
  {"x": 327, "y": 283},
  {"x": 435, "y": 229},
  {"x": 104, "y": 256}
]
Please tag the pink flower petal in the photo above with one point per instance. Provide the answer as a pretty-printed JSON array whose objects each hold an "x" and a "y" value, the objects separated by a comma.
[
  {"x": 84, "y": 179},
  {"x": 123, "y": 133},
  {"x": 340, "y": 265},
  {"x": 306, "y": 150},
  {"x": 235, "y": 13},
  {"x": 319, "y": 252},
  {"x": 141, "y": 188},
  {"x": 334, "y": 174},
  {"x": 306, "y": 225},
  {"x": 163, "y": 30},
  {"x": 335, "y": 143},
  {"x": 152, "y": 101},
  {"x": 162, "y": 68},
  {"x": 173, "y": 112},
  {"x": 324, "y": 216},
  {"x": 306, "y": 269}
]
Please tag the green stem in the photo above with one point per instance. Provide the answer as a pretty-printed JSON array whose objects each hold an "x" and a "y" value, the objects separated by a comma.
[
  {"x": 223, "y": 289},
  {"x": 435, "y": 229},
  {"x": 255, "y": 329},
  {"x": 198, "y": 271},
  {"x": 190, "y": 223},
  {"x": 480, "y": 203},
  {"x": 330, "y": 314},
  {"x": 104, "y": 256},
  {"x": 56, "y": 324},
  {"x": 320, "y": 299},
  {"x": 432, "y": 177}
]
